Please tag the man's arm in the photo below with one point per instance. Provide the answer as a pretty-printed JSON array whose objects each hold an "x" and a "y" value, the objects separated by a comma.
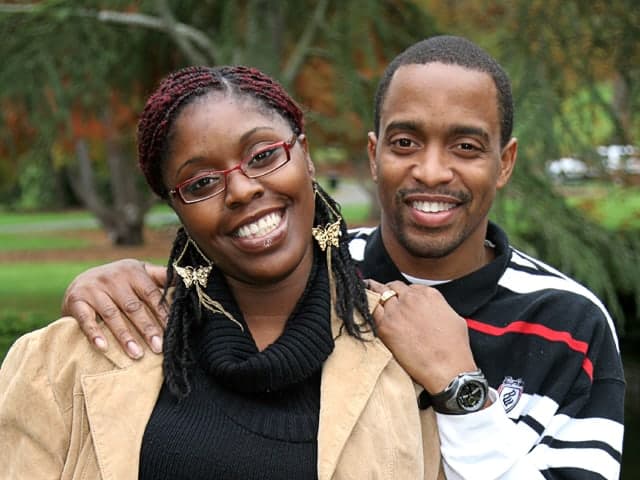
[
  {"x": 578, "y": 435},
  {"x": 427, "y": 337},
  {"x": 567, "y": 444},
  {"x": 122, "y": 293}
]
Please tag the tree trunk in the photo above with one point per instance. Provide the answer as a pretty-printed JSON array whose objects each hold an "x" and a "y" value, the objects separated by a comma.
[
  {"x": 123, "y": 217},
  {"x": 126, "y": 220},
  {"x": 622, "y": 108}
]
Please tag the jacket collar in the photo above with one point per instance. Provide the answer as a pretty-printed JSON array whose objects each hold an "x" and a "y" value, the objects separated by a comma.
[
  {"x": 349, "y": 377},
  {"x": 465, "y": 294},
  {"x": 119, "y": 404}
]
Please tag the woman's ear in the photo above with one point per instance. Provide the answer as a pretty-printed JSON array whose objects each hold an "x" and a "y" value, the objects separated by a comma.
[{"x": 302, "y": 140}]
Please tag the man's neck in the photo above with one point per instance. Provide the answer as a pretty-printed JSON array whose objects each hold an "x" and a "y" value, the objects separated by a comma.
[{"x": 471, "y": 255}]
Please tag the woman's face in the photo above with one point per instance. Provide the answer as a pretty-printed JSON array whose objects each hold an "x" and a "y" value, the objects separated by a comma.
[{"x": 257, "y": 231}]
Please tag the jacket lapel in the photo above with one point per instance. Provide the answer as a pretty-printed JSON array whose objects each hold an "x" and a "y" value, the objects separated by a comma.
[
  {"x": 119, "y": 403},
  {"x": 349, "y": 376}
]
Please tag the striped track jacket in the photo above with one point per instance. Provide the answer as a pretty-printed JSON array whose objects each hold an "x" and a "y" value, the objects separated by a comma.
[{"x": 549, "y": 350}]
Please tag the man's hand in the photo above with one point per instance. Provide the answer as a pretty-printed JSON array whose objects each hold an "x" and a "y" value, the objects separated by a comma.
[
  {"x": 122, "y": 293},
  {"x": 426, "y": 336}
]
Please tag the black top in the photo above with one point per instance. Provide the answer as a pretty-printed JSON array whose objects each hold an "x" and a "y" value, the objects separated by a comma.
[{"x": 251, "y": 414}]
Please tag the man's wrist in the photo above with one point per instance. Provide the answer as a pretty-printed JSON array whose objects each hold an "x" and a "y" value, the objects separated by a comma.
[{"x": 466, "y": 393}]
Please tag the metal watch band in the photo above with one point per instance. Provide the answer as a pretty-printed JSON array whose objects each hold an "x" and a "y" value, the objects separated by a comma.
[{"x": 466, "y": 393}]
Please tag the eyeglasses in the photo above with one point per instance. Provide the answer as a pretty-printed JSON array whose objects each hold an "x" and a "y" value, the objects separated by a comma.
[{"x": 257, "y": 164}]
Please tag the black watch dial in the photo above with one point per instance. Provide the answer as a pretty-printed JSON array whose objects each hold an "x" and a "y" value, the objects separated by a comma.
[{"x": 470, "y": 395}]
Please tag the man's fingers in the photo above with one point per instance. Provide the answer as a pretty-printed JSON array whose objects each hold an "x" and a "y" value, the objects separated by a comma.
[
  {"x": 148, "y": 288},
  {"x": 112, "y": 317},
  {"x": 387, "y": 291},
  {"x": 86, "y": 318},
  {"x": 375, "y": 286},
  {"x": 122, "y": 293},
  {"x": 157, "y": 273},
  {"x": 145, "y": 322}
]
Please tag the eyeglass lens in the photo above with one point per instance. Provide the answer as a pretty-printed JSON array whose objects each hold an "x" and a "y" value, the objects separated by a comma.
[{"x": 257, "y": 164}]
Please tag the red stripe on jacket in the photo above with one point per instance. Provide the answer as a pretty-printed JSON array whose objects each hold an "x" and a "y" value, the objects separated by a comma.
[{"x": 540, "y": 331}]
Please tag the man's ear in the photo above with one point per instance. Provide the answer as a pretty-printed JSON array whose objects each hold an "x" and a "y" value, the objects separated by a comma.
[
  {"x": 302, "y": 140},
  {"x": 507, "y": 162},
  {"x": 372, "y": 143}
]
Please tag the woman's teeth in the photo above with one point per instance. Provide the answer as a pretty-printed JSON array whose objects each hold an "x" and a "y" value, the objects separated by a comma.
[{"x": 260, "y": 227}]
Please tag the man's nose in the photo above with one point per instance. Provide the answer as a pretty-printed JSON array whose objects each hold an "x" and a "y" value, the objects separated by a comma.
[{"x": 433, "y": 167}]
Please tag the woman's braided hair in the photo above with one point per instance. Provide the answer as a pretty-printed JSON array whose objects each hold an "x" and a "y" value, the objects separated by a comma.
[{"x": 155, "y": 131}]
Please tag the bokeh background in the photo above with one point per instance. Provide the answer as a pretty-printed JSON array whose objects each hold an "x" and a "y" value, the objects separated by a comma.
[{"x": 75, "y": 74}]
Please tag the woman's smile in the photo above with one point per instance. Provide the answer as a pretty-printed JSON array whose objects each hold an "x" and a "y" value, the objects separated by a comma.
[{"x": 262, "y": 233}]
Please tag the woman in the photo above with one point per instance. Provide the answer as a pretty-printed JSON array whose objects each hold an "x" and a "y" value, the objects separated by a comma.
[{"x": 271, "y": 368}]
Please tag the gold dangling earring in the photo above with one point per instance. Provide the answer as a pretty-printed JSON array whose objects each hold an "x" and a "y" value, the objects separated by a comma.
[
  {"x": 328, "y": 235},
  {"x": 199, "y": 277}
]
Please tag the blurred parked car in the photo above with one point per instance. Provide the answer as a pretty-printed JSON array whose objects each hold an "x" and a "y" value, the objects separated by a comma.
[
  {"x": 568, "y": 168},
  {"x": 620, "y": 159}
]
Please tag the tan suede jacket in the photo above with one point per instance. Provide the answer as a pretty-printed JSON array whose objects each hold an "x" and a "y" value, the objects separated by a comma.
[{"x": 68, "y": 411}]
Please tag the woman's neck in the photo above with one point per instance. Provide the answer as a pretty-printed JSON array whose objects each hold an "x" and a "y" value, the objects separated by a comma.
[{"x": 267, "y": 307}]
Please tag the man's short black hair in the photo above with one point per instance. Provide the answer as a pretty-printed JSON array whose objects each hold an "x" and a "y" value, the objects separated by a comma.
[{"x": 452, "y": 50}]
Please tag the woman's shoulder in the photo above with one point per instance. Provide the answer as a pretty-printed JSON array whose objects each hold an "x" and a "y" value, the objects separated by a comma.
[
  {"x": 62, "y": 344},
  {"x": 62, "y": 334},
  {"x": 55, "y": 358}
]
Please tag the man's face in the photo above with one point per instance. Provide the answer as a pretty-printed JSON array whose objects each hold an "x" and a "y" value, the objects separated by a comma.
[{"x": 438, "y": 163}]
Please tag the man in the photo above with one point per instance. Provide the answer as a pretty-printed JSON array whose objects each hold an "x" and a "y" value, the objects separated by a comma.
[{"x": 460, "y": 308}]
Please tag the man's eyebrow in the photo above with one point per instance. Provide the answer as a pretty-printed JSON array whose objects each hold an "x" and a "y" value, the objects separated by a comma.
[
  {"x": 472, "y": 131},
  {"x": 407, "y": 125}
]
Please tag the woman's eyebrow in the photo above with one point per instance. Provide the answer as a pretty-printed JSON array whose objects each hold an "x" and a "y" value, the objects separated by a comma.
[{"x": 254, "y": 130}]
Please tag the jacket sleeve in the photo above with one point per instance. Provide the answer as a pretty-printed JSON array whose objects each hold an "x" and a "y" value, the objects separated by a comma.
[
  {"x": 34, "y": 435},
  {"x": 576, "y": 436}
]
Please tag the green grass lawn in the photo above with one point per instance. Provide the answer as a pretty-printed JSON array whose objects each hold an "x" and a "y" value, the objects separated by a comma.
[
  {"x": 18, "y": 241},
  {"x": 31, "y": 294},
  {"x": 614, "y": 207},
  {"x": 30, "y": 218},
  {"x": 22, "y": 218}
]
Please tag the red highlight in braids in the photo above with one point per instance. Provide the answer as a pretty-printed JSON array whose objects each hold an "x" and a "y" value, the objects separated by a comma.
[{"x": 180, "y": 88}]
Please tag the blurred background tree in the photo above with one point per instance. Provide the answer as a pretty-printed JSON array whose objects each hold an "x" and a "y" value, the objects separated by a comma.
[{"x": 75, "y": 74}]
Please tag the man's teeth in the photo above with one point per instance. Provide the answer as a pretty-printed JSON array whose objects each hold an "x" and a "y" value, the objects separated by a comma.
[
  {"x": 433, "y": 207},
  {"x": 261, "y": 227}
]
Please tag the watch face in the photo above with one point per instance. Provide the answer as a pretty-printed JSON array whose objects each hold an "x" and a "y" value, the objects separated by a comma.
[{"x": 471, "y": 396}]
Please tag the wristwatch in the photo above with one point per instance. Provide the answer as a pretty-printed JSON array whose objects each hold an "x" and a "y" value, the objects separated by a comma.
[{"x": 466, "y": 393}]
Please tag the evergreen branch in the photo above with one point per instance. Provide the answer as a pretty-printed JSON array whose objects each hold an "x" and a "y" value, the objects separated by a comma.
[
  {"x": 302, "y": 48},
  {"x": 184, "y": 42},
  {"x": 127, "y": 18}
]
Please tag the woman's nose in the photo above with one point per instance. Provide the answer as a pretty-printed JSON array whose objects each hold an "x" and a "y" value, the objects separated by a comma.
[{"x": 240, "y": 189}]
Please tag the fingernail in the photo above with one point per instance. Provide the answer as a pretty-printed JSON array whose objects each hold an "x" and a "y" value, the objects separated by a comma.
[
  {"x": 100, "y": 343},
  {"x": 134, "y": 350},
  {"x": 156, "y": 344}
]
